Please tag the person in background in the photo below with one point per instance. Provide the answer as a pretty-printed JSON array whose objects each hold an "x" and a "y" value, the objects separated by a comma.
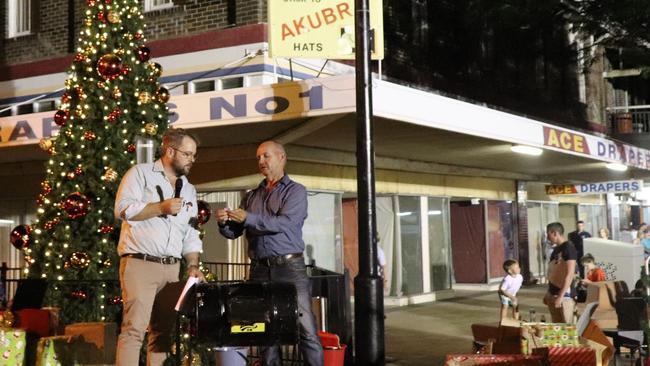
[
  {"x": 640, "y": 233},
  {"x": 593, "y": 273},
  {"x": 576, "y": 237},
  {"x": 640, "y": 290},
  {"x": 508, "y": 289},
  {"x": 561, "y": 271},
  {"x": 603, "y": 233}
]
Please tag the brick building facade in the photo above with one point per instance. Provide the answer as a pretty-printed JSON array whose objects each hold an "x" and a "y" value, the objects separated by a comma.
[{"x": 51, "y": 36}]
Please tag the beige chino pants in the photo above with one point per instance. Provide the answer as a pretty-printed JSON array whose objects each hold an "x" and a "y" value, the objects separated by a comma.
[{"x": 140, "y": 282}]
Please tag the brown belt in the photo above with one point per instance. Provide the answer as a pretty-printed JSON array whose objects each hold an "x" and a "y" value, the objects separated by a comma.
[
  {"x": 152, "y": 258},
  {"x": 277, "y": 260}
]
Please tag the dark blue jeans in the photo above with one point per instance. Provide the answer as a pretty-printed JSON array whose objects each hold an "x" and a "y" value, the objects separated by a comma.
[{"x": 293, "y": 272}]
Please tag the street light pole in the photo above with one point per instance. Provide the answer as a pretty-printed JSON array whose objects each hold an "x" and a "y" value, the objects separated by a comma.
[{"x": 368, "y": 285}]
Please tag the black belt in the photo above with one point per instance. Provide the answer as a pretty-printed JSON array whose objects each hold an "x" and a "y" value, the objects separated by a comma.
[
  {"x": 152, "y": 258},
  {"x": 277, "y": 260}
]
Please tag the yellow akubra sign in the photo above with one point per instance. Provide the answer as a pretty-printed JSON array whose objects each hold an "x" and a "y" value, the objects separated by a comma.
[{"x": 320, "y": 29}]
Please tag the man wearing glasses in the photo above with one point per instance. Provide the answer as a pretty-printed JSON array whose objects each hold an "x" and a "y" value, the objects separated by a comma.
[{"x": 155, "y": 202}]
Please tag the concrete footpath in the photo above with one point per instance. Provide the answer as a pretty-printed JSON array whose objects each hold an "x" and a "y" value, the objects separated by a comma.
[{"x": 424, "y": 334}]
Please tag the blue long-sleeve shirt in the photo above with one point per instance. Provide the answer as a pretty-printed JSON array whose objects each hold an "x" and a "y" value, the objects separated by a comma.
[{"x": 274, "y": 219}]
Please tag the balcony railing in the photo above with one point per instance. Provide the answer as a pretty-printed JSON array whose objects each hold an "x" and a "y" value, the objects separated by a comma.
[{"x": 629, "y": 120}]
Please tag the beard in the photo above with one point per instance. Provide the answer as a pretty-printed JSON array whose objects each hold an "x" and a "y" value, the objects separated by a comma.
[{"x": 181, "y": 169}]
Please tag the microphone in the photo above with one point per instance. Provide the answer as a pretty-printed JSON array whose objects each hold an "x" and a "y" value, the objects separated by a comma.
[
  {"x": 162, "y": 197},
  {"x": 177, "y": 188}
]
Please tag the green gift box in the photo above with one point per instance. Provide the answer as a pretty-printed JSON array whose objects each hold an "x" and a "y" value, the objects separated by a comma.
[
  {"x": 56, "y": 351},
  {"x": 12, "y": 346},
  {"x": 537, "y": 335}
]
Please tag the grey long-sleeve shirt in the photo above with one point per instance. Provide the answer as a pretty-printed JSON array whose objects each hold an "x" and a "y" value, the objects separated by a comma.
[{"x": 274, "y": 219}]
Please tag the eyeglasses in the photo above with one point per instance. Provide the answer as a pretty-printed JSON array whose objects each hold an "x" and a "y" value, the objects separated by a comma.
[{"x": 186, "y": 154}]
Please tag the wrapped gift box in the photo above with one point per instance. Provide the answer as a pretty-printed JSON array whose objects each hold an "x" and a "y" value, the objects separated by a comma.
[
  {"x": 35, "y": 321},
  {"x": 537, "y": 335},
  {"x": 488, "y": 360},
  {"x": 56, "y": 351},
  {"x": 96, "y": 342},
  {"x": 572, "y": 356},
  {"x": 13, "y": 343}
]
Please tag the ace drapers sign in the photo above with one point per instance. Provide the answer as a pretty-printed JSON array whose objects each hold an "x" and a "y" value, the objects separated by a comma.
[{"x": 320, "y": 29}]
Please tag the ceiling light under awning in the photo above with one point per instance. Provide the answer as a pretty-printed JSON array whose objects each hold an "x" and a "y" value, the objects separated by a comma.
[
  {"x": 616, "y": 166},
  {"x": 526, "y": 150}
]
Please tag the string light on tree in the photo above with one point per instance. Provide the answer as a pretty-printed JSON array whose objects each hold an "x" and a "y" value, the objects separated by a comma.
[{"x": 100, "y": 118}]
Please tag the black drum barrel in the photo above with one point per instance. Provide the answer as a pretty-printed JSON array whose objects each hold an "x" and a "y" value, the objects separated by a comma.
[{"x": 245, "y": 314}]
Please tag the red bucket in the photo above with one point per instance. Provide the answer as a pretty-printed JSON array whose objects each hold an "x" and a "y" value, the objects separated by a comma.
[{"x": 334, "y": 356}]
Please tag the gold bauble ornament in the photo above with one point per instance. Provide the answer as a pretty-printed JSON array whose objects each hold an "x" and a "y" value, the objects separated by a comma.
[
  {"x": 144, "y": 97},
  {"x": 68, "y": 83},
  {"x": 88, "y": 22},
  {"x": 113, "y": 16},
  {"x": 117, "y": 94},
  {"x": 103, "y": 37},
  {"x": 151, "y": 128},
  {"x": 45, "y": 143},
  {"x": 7, "y": 319},
  {"x": 110, "y": 175},
  {"x": 120, "y": 52}
]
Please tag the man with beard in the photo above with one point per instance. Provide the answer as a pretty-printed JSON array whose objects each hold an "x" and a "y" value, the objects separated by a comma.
[
  {"x": 272, "y": 216},
  {"x": 155, "y": 234}
]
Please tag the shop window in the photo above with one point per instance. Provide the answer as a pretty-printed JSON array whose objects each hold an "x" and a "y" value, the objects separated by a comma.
[
  {"x": 153, "y": 5},
  {"x": 439, "y": 248},
  {"x": 5, "y": 111},
  {"x": 177, "y": 89},
  {"x": 322, "y": 231},
  {"x": 411, "y": 244},
  {"x": 203, "y": 86},
  {"x": 25, "y": 108},
  {"x": 232, "y": 83},
  {"x": 45, "y": 105},
  {"x": 502, "y": 243},
  {"x": 19, "y": 18},
  {"x": 539, "y": 214}
]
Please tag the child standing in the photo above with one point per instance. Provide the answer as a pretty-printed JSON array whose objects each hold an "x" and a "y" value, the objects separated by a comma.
[{"x": 509, "y": 287}]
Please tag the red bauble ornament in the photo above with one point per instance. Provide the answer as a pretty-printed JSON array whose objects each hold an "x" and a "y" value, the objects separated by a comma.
[
  {"x": 125, "y": 70},
  {"x": 76, "y": 205},
  {"x": 20, "y": 237},
  {"x": 65, "y": 98},
  {"x": 138, "y": 35},
  {"x": 108, "y": 2},
  {"x": 46, "y": 187},
  {"x": 79, "y": 57},
  {"x": 51, "y": 224},
  {"x": 163, "y": 94},
  {"x": 91, "y": 2},
  {"x": 101, "y": 15},
  {"x": 61, "y": 117},
  {"x": 79, "y": 294},
  {"x": 40, "y": 200},
  {"x": 109, "y": 66},
  {"x": 105, "y": 229},
  {"x": 115, "y": 300},
  {"x": 131, "y": 148},
  {"x": 90, "y": 136},
  {"x": 79, "y": 171},
  {"x": 143, "y": 53},
  {"x": 203, "y": 214}
]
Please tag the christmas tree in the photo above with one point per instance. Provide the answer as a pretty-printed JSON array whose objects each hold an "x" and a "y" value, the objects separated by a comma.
[{"x": 112, "y": 98}]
